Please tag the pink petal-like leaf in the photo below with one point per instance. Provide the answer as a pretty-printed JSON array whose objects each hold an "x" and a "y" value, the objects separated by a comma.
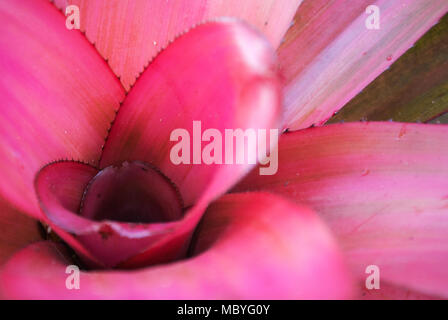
[
  {"x": 221, "y": 74},
  {"x": 330, "y": 55},
  {"x": 129, "y": 33},
  {"x": 292, "y": 257},
  {"x": 382, "y": 187},
  {"x": 57, "y": 96}
]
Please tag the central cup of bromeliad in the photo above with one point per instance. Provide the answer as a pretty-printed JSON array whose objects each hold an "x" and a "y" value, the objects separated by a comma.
[{"x": 134, "y": 192}]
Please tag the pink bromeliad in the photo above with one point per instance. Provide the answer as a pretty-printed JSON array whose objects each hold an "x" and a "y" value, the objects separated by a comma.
[{"x": 85, "y": 124}]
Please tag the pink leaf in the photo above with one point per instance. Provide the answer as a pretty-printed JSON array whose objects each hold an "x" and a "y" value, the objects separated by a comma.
[
  {"x": 221, "y": 74},
  {"x": 58, "y": 97},
  {"x": 130, "y": 33},
  {"x": 382, "y": 187},
  {"x": 293, "y": 257}
]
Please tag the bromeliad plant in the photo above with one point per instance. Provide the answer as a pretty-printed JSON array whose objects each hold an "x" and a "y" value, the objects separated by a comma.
[{"x": 113, "y": 196}]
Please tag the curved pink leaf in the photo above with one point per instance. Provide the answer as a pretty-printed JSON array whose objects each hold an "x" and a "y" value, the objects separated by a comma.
[
  {"x": 249, "y": 246},
  {"x": 330, "y": 55},
  {"x": 57, "y": 96},
  {"x": 221, "y": 74},
  {"x": 130, "y": 33},
  {"x": 382, "y": 187},
  {"x": 97, "y": 213}
]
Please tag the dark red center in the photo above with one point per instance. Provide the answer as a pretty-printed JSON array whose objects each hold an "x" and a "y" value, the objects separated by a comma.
[{"x": 133, "y": 192}]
